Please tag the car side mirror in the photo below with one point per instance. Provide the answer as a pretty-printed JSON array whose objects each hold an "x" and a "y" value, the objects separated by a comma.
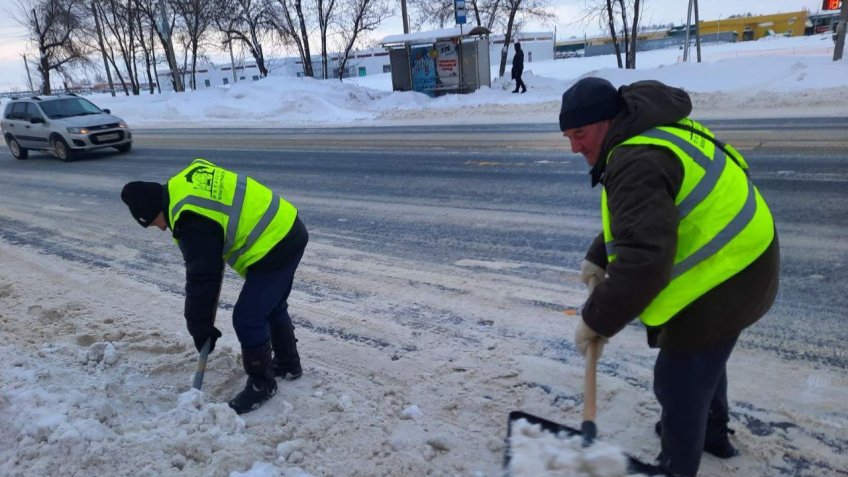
[
  {"x": 36, "y": 120},
  {"x": 107, "y": 111}
]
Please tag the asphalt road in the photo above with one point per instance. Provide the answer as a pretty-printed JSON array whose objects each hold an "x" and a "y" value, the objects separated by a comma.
[{"x": 509, "y": 193}]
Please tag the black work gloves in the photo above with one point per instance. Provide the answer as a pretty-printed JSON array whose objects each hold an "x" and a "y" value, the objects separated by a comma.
[{"x": 200, "y": 334}]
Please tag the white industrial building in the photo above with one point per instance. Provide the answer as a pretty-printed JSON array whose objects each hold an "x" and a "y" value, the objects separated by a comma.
[{"x": 537, "y": 46}]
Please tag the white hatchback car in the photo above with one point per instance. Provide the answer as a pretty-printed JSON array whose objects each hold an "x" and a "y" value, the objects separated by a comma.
[{"x": 64, "y": 125}]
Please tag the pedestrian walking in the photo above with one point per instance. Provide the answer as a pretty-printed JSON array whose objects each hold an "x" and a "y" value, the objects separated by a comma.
[
  {"x": 688, "y": 246},
  {"x": 217, "y": 216},
  {"x": 518, "y": 68}
]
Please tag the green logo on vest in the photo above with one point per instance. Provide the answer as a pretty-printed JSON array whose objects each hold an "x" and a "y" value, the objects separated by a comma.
[{"x": 207, "y": 179}]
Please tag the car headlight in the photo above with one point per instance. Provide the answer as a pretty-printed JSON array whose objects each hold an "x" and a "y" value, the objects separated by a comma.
[
  {"x": 122, "y": 124},
  {"x": 78, "y": 130}
]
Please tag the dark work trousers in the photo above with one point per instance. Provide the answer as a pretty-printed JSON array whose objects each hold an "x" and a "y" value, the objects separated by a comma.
[
  {"x": 263, "y": 300},
  {"x": 690, "y": 386}
]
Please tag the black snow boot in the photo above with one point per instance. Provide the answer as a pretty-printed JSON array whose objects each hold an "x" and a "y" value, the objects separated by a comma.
[
  {"x": 286, "y": 359},
  {"x": 717, "y": 442},
  {"x": 261, "y": 385}
]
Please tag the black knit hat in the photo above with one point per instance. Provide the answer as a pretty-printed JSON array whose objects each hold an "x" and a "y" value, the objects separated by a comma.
[
  {"x": 144, "y": 200},
  {"x": 588, "y": 101}
]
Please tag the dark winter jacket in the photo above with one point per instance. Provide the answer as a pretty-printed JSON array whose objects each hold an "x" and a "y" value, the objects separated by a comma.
[
  {"x": 201, "y": 241},
  {"x": 641, "y": 184},
  {"x": 518, "y": 63}
]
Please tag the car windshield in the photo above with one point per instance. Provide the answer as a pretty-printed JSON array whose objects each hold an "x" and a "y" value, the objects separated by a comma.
[{"x": 66, "y": 107}]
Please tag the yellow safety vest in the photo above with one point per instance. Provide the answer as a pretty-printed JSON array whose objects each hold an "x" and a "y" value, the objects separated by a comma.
[
  {"x": 253, "y": 219},
  {"x": 724, "y": 222}
]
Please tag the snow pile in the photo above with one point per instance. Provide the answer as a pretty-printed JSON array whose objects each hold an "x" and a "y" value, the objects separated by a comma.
[
  {"x": 536, "y": 452},
  {"x": 784, "y": 76}
]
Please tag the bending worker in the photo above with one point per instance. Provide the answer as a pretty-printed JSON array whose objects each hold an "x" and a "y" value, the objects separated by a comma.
[
  {"x": 217, "y": 215},
  {"x": 688, "y": 246}
]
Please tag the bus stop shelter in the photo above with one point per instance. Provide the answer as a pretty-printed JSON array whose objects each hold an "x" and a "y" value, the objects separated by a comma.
[{"x": 453, "y": 60}]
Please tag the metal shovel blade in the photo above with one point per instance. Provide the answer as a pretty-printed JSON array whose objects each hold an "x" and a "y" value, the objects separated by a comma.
[{"x": 634, "y": 465}]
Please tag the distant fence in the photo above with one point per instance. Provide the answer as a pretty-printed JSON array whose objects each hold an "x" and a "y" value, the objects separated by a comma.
[
  {"x": 660, "y": 43},
  {"x": 796, "y": 51},
  {"x": 81, "y": 91},
  {"x": 16, "y": 94}
]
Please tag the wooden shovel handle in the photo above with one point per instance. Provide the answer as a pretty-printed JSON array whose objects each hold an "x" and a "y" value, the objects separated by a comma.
[{"x": 590, "y": 385}]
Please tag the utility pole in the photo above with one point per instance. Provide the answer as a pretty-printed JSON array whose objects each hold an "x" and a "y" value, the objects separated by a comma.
[
  {"x": 841, "y": 29},
  {"x": 688, "y": 27},
  {"x": 102, "y": 49},
  {"x": 29, "y": 78},
  {"x": 405, "y": 19},
  {"x": 697, "y": 32}
]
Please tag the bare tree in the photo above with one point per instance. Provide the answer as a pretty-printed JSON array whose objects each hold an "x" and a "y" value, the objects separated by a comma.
[
  {"x": 359, "y": 17},
  {"x": 326, "y": 11},
  {"x": 100, "y": 44},
  {"x": 245, "y": 21},
  {"x": 163, "y": 22},
  {"x": 611, "y": 23},
  {"x": 119, "y": 19},
  {"x": 625, "y": 32},
  {"x": 197, "y": 17},
  {"x": 304, "y": 36},
  {"x": 55, "y": 28},
  {"x": 613, "y": 16},
  {"x": 486, "y": 12},
  {"x": 147, "y": 45},
  {"x": 439, "y": 12},
  {"x": 631, "y": 51},
  {"x": 291, "y": 27}
]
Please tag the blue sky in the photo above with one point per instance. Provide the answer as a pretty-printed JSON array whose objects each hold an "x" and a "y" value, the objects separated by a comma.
[{"x": 12, "y": 38}]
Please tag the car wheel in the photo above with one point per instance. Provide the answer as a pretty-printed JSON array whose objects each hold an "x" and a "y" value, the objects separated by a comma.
[
  {"x": 124, "y": 147},
  {"x": 62, "y": 151},
  {"x": 17, "y": 151}
]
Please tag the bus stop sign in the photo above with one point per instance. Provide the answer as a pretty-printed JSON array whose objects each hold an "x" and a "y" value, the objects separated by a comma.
[{"x": 459, "y": 10}]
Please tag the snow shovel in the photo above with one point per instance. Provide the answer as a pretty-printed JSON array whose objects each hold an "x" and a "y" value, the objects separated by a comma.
[
  {"x": 201, "y": 364},
  {"x": 588, "y": 430},
  {"x": 634, "y": 465}
]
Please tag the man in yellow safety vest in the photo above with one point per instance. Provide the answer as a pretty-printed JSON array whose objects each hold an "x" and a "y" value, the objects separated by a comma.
[
  {"x": 688, "y": 246},
  {"x": 219, "y": 216}
]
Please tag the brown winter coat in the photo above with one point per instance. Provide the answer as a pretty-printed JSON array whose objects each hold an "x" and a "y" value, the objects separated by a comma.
[{"x": 641, "y": 184}]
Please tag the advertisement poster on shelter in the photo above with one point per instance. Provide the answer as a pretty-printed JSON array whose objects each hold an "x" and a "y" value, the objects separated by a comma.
[
  {"x": 423, "y": 67},
  {"x": 447, "y": 63}
]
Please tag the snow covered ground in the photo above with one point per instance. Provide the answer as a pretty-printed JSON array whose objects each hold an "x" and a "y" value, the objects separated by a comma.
[
  {"x": 95, "y": 369},
  {"x": 773, "y": 77}
]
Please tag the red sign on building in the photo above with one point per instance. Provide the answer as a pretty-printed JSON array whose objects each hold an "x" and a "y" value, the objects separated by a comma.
[{"x": 830, "y": 4}]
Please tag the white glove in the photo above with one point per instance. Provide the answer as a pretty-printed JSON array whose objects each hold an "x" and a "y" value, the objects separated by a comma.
[
  {"x": 589, "y": 270},
  {"x": 584, "y": 335}
]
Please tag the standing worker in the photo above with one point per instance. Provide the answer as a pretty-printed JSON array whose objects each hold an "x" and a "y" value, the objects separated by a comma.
[
  {"x": 688, "y": 246},
  {"x": 217, "y": 215},
  {"x": 518, "y": 68}
]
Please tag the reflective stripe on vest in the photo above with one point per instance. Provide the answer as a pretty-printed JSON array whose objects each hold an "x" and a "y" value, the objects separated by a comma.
[
  {"x": 234, "y": 201},
  {"x": 724, "y": 223}
]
